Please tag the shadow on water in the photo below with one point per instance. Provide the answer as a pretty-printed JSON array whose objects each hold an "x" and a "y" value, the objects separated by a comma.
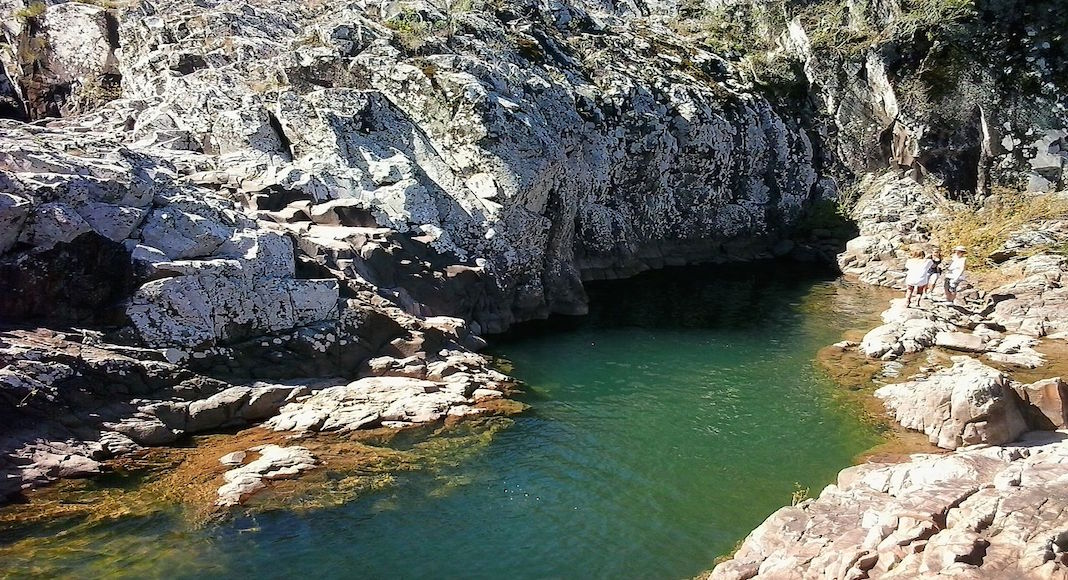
[{"x": 729, "y": 296}]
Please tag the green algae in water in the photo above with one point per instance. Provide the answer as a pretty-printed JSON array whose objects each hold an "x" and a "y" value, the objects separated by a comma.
[{"x": 664, "y": 427}]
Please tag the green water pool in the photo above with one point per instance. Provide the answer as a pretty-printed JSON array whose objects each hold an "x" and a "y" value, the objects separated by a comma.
[{"x": 663, "y": 427}]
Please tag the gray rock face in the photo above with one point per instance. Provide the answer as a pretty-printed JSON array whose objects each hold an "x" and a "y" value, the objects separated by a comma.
[
  {"x": 988, "y": 126},
  {"x": 494, "y": 154},
  {"x": 967, "y": 404},
  {"x": 64, "y": 61},
  {"x": 519, "y": 171},
  {"x": 13, "y": 212},
  {"x": 982, "y": 512}
]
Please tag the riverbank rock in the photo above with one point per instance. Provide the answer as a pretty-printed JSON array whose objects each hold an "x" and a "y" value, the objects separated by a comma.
[
  {"x": 1035, "y": 306},
  {"x": 961, "y": 341},
  {"x": 892, "y": 214},
  {"x": 273, "y": 463},
  {"x": 71, "y": 401},
  {"x": 906, "y": 330},
  {"x": 967, "y": 404},
  {"x": 1046, "y": 403},
  {"x": 389, "y": 400},
  {"x": 979, "y": 512}
]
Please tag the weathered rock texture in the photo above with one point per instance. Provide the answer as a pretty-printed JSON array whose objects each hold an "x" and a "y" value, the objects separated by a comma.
[
  {"x": 969, "y": 94},
  {"x": 892, "y": 215},
  {"x": 225, "y": 193},
  {"x": 981, "y": 512},
  {"x": 966, "y": 404},
  {"x": 69, "y": 401},
  {"x": 525, "y": 156}
]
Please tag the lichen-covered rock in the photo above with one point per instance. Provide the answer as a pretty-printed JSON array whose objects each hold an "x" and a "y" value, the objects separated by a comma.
[
  {"x": 13, "y": 212},
  {"x": 198, "y": 311},
  {"x": 995, "y": 123},
  {"x": 65, "y": 61},
  {"x": 967, "y": 404}
]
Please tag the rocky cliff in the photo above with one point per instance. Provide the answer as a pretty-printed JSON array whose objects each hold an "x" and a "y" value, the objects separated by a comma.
[
  {"x": 211, "y": 194},
  {"x": 222, "y": 213},
  {"x": 528, "y": 147}
]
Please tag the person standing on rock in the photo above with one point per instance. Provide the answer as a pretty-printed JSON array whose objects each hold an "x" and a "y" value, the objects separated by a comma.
[
  {"x": 917, "y": 272},
  {"x": 955, "y": 274},
  {"x": 936, "y": 270}
]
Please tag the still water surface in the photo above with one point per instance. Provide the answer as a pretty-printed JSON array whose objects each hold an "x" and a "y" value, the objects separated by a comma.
[{"x": 664, "y": 426}]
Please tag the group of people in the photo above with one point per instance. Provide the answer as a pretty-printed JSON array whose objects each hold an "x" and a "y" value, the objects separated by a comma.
[{"x": 924, "y": 268}]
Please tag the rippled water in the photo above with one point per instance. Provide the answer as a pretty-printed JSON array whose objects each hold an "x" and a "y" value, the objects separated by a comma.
[{"x": 664, "y": 426}]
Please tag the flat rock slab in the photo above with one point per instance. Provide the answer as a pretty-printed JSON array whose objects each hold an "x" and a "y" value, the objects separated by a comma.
[
  {"x": 369, "y": 401},
  {"x": 960, "y": 341}
]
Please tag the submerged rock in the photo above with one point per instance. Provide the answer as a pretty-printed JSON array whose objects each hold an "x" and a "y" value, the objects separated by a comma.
[{"x": 273, "y": 463}]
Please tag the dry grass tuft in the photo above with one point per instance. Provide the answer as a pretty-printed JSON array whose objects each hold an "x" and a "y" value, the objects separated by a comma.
[{"x": 983, "y": 231}]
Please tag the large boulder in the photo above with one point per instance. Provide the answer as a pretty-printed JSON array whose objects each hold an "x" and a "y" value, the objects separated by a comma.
[
  {"x": 966, "y": 404},
  {"x": 67, "y": 60},
  {"x": 203, "y": 310},
  {"x": 894, "y": 339}
]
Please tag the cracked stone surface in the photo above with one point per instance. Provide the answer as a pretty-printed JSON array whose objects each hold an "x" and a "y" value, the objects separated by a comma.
[{"x": 979, "y": 512}]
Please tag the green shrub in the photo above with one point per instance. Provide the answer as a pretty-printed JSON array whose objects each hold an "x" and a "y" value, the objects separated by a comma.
[
  {"x": 925, "y": 15},
  {"x": 733, "y": 30}
]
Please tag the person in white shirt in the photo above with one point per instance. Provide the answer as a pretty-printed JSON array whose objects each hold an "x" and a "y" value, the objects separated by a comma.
[
  {"x": 954, "y": 274},
  {"x": 917, "y": 272}
]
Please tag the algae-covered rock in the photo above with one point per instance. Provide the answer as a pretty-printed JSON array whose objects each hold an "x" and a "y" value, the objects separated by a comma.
[{"x": 273, "y": 463}]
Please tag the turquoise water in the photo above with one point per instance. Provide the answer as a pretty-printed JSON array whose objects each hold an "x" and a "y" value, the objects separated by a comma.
[{"x": 664, "y": 426}]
